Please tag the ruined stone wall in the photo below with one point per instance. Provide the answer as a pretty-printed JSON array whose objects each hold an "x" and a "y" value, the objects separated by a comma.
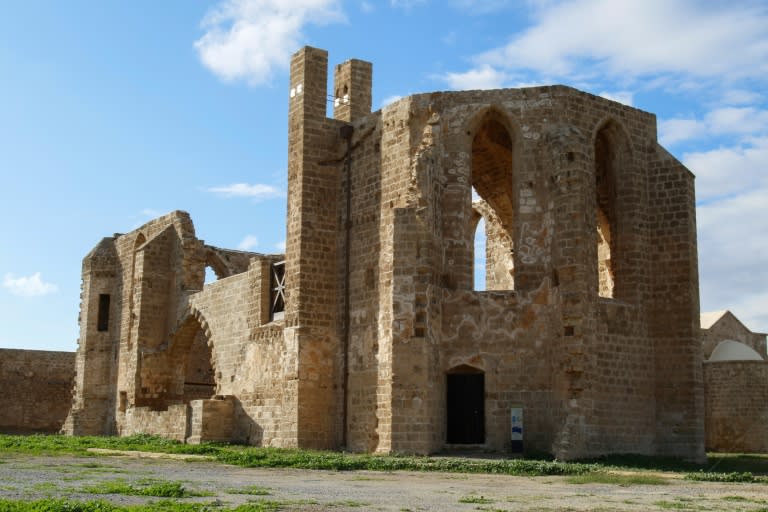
[
  {"x": 730, "y": 328},
  {"x": 37, "y": 390},
  {"x": 92, "y": 411},
  {"x": 170, "y": 423},
  {"x": 674, "y": 309},
  {"x": 251, "y": 362},
  {"x": 736, "y": 406},
  {"x": 600, "y": 354},
  {"x": 362, "y": 279},
  {"x": 312, "y": 315},
  {"x": 506, "y": 338},
  {"x": 161, "y": 263}
]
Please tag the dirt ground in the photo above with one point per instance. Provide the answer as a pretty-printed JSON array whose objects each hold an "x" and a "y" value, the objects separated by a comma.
[{"x": 27, "y": 478}]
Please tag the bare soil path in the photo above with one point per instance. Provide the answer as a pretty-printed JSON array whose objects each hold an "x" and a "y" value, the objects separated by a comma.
[{"x": 27, "y": 478}]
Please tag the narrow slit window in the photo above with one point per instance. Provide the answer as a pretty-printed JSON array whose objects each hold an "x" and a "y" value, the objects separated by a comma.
[
  {"x": 277, "y": 291},
  {"x": 103, "y": 320}
]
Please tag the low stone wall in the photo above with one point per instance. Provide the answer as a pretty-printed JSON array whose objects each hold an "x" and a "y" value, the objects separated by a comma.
[
  {"x": 171, "y": 424},
  {"x": 736, "y": 395},
  {"x": 36, "y": 390}
]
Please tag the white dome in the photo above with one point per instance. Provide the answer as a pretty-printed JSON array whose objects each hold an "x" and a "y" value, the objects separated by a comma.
[{"x": 730, "y": 350}]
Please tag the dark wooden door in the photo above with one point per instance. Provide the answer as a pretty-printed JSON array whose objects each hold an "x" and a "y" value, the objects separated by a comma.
[{"x": 466, "y": 408}]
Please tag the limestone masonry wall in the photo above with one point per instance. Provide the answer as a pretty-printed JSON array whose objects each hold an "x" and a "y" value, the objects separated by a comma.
[
  {"x": 736, "y": 406},
  {"x": 36, "y": 390}
]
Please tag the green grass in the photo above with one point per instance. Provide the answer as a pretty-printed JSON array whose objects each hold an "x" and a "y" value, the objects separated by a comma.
[
  {"x": 480, "y": 500},
  {"x": 614, "y": 479},
  {"x": 289, "y": 458},
  {"x": 60, "y": 505},
  {"x": 253, "y": 490},
  {"x": 720, "y": 467},
  {"x": 743, "y": 477},
  {"x": 679, "y": 504},
  {"x": 143, "y": 488}
]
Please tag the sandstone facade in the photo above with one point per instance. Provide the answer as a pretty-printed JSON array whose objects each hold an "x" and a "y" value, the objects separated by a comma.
[
  {"x": 37, "y": 390},
  {"x": 368, "y": 333}
]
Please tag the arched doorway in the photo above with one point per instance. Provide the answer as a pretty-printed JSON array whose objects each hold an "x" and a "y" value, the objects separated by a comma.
[
  {"x": 465, "y": 405},
  {"x": 192, "y": 359}
]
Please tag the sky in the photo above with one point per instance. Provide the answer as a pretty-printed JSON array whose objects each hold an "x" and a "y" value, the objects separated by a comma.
[{"x": 112, "y": 113}]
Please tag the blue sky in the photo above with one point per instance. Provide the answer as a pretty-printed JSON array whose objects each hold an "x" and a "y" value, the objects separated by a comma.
[{"x": 112, "y": 113}]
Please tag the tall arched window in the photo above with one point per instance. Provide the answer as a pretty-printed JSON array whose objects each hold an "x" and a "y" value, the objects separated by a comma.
[
  {"x": 479, "y": 254},
  {"x": 611, "y": 147},
  {"x": 492, "y": 162}
]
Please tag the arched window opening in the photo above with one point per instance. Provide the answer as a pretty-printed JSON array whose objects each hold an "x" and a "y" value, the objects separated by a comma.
[
  {"x": 479, "y": 253},
  {"x": 492, "y": 191},
  {"x": 609, "y": 147},
  {"x": 210, "y": 275},
  {"x": 133, "y": 288},
  {"x": 215, "y": 267},
  {"x": 465, "y": 405},
  {"x": 199, "y": 379}
]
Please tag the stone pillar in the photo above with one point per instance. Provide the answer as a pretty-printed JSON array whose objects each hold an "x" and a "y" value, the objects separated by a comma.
[
  {"x": 352, "y": 90},
  {"x": 312, "y": 283},
  {"x": 92, "y": 411}
]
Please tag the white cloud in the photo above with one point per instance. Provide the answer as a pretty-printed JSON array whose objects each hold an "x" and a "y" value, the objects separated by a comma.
[
  {"x": 672, "y": 131},
  {"x": 731, "y": 170},
  {"x": 31, "y": 286},
  {"x": 624, "y": 97},
  {"x": 251, "y": 39},
  {"x": 280, "y": 246},
  {"x": 256, "y": 191},
  {"x": 737, "y": 120},
  {"x": 740, "y": 97},
  {"x": 633, "y": 38},
  {"x": 481, "y": 77},
  {"x": 248, "y": 243},
  {"x": 732, "y": 255},
  {"x": 366, "y": 6},
  {"x": 720, "y": 121}
]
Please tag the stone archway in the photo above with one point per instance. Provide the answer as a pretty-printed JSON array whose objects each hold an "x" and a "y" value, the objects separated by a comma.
[{"x": 191, "y": 359}]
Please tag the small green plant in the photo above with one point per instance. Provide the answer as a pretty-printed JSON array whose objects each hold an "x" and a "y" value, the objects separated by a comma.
[
  {"x": 61, "y": 505},
  {"x": 145, "y": 488},
  {"x": 346, "y": 503},
  {"x": 673, "y": 505},
  {"x": 480, "y": 500},
  {"x": 743, "y": 477},
  {"x": 253, "y": 490},
  {"x": 617, "y": 479}
]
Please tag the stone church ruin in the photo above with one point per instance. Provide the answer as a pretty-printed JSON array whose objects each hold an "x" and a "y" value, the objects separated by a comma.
[{"x": 369, "y": 332}]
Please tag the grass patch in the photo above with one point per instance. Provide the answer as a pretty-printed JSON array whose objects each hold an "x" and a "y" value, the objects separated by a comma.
[
  {"x": 480, "y": 500},
  {"x": 675, "y": 505},
  {"x": 61, "y": 505},
  {"x": 720, "y": 467},
  {"x": 143, "y": 488},
  {"x": 347, "y": 503},
  {"x": 615, "y": 479},
  {"x": 743, "y": 477},
  {"x": 45, "y": 486},
  {"x": 336, "y": 461},
  {"x": 253, "y": 490},
  {"x": 289, "y": 458}
]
